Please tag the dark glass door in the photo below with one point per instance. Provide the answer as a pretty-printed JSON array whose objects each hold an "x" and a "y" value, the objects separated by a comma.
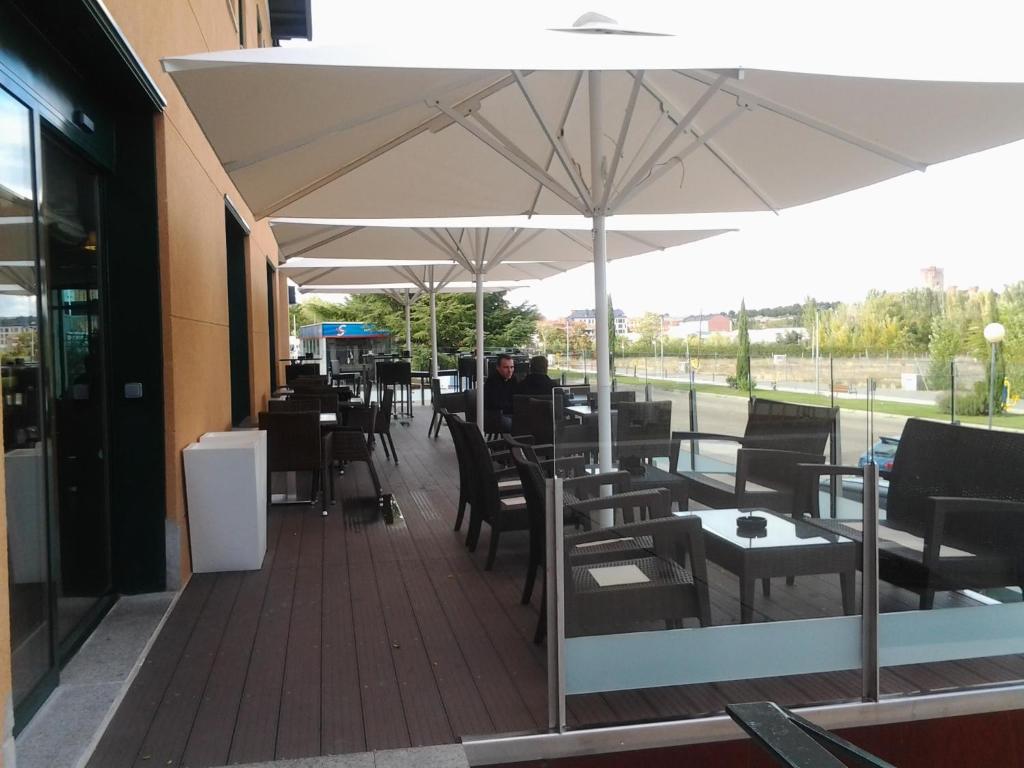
[
  {"x": 72, "y": 244},
  {"x": 24, "y": 436}
]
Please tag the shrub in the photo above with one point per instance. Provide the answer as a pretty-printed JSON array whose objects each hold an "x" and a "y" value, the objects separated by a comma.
[{"x": 971, "y": 403}]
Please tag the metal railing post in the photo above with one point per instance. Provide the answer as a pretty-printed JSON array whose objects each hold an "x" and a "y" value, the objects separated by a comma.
[
  {"x": 555, "y": 562},
  {"x": 869, "y": 609}
]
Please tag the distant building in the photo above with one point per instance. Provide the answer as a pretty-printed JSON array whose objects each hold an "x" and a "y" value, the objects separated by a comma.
[
  {"x": 681, "y": 328},
  {"x": 12, "y": 327},
  {"x": 587, "y": 317},
  {"x": 933, "y": 277}
]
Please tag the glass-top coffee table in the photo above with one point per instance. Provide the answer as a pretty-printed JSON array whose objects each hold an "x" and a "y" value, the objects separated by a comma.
[{"x": 787, "y": 548}]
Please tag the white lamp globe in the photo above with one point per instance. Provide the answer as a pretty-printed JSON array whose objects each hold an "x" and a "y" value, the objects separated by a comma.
[{"x": 994, "y": 333}]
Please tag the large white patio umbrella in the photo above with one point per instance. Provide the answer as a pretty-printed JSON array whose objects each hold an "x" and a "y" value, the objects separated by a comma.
[
  {"x": 322, "y": 252},
  {"x": 565, "y": 121}
]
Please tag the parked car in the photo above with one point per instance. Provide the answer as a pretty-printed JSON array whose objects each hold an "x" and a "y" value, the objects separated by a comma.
[{"x": 883, "y": 452}]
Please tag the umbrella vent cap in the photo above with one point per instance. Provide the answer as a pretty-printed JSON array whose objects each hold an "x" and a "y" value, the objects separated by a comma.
[{"x": 593, "y": 23}]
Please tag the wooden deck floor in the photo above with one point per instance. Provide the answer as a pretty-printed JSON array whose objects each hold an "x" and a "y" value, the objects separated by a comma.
[{"x": 357, "y": 636}]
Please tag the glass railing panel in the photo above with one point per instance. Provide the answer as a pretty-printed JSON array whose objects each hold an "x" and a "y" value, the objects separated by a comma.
[
  {"x": 673, "y": 596},
  {"x": 951, "y": 542}
]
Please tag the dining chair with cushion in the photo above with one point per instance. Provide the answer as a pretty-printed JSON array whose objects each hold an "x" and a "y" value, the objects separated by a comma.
[
  {"x": 382, "y": 424},
  {"x": 452, "y": 402},
  {"x": 487, "y": 503},
  {"x": 350, "y": 443},
  {"x": 295, "y": 444}
]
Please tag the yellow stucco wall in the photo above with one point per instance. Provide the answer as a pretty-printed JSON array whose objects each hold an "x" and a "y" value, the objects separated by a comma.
[{"x": 191, "y": 186}]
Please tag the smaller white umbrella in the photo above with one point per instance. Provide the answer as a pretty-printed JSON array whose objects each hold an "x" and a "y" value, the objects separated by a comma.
[{"x": 510, "y": 248}]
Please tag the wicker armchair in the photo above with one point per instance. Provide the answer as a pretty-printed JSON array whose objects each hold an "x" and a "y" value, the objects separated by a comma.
[{"x": 658, "y": 545}]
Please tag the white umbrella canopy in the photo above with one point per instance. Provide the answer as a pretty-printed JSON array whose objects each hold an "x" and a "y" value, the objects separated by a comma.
[
  {"x": 308, "y": 273},
  {"x": 565, "y": 121},
  {"x": 372, "y": 131},
  {"x": 324, "y": 251},
  {"x": 487, "y": 241}
]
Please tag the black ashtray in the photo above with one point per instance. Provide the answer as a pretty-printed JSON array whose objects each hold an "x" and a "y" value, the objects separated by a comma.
[{"x": 751, "y": 526}]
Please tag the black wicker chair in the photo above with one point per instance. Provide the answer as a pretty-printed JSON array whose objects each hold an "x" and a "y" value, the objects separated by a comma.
[
  {"x": 487, "y": 504},
  {"x": 295, "y": 444},
  {"x": 382, "y": 424},
  {"x": 770, "y": 424},
  {"x": 660, "y": 546},
  {"x": 954, "y": 511},
  {"x": 452, "y": 402},
  {"x": 350, "y": 443}
]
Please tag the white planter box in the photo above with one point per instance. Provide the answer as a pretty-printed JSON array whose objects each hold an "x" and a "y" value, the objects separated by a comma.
[{"x": 226, "y": 487}]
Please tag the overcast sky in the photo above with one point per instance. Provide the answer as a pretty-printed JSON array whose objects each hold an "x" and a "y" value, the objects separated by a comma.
[{"x": 963, "y": 216}]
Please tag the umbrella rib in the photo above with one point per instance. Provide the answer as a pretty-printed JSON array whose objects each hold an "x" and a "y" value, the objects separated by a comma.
[
  {"x": 637, "y": 239},
  {"x": 410, "y": 273},
  {"x": 510, "y": 247},
  {"x": 446, "y": 278},
  {"x": 282, "y": 149},
  {"x": 556, "y": 144},
  {"x": 513, "y": 154},
  {"x": 718, "y": 154},
  {"x": 457, "y": 253},
  {"x": 641, "y": 174},
  {"x": 699, "y": 140},
  {"x": 561, "y": 127},
  {"x": 432, "y": 123},
  {"x": 480, "y": 269},
  {"x": 627, "y": 119},
  {"x": 321, "y": 242},
  {"x": 821, "y": 126},
  {"x": 587, "y": 247},
  {"x": 434, "y": 238}
]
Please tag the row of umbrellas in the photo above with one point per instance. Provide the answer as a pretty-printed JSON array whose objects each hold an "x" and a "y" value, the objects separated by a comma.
[
  {"x": 432, "y": 255},
  {"x": 590, "y": 120}
]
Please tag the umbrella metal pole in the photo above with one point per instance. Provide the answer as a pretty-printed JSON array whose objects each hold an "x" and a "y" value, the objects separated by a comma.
[
  {"x": 480, "y": 350},
  {"x": 604, "y": 376},
  {"x": 408, "y": 323},
  {"x": 435, "y": 371}
]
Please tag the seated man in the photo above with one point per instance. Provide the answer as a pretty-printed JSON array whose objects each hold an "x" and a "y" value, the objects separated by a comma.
[
  {"x": 537, "y": 382},
  {"x": 499, "y": 390}
]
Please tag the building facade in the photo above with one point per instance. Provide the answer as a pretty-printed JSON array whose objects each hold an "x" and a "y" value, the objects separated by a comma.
[
  {"x": 139, "y": 308},
  {"x": 588, "y": 316}
]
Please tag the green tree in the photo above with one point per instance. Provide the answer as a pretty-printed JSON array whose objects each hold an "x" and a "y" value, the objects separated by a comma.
[
  {"x": 743, "y": 380},
  {"x": 648, "y": 328},
  {"x": 947, "y": 339}
]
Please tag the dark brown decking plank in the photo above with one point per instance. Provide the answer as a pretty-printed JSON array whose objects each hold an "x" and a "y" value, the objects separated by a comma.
[
  {"x": 209, "y": 742},
  {"x": 504, "y": 685},
  {"x": 424, "y": 709},
  {"x": 630, "y": 706},
  {"x": 298, "y": 729},
  {"x": 383, "y": 715},
  {"x": 342, "y": 728},
  {"x": 256, "y": 726},
  {"x": 123, "y": 737},
  {"x": 445, "y": 590},
  {"x": 466, "y": 710},
  {"x": 172, "y": 722}
]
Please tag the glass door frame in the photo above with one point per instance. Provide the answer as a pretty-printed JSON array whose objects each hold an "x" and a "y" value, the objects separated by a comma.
[{"x": 65, "y": 647}]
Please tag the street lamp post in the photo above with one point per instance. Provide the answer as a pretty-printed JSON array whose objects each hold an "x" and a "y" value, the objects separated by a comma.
[{"x": 994, "y": 334}]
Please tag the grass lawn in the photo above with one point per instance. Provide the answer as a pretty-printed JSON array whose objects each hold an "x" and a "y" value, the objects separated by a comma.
[{"x": 1004, "y": 421}]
